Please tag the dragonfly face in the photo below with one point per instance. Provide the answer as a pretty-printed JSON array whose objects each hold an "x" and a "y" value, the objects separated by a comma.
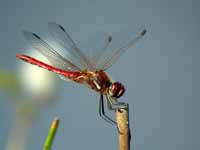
[{"x": 116, "y": 90}]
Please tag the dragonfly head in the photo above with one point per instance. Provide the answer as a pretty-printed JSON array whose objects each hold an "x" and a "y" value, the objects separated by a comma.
[{"x": 116, "y": 90}]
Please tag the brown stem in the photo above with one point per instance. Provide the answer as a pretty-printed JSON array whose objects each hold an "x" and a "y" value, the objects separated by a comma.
[{"x": 122, "y": 117}]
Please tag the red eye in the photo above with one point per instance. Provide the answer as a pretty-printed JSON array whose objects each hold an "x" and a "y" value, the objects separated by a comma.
[
  {"x": 121, "y": 91},
  {"x": 116, "y": 90},
  {"x": 115, "y": 87}
]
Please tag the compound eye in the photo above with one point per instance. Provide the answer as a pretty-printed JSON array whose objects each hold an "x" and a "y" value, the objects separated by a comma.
[
  {"x": 121, "y": 92},
  {"x": 116, "y": 90}
]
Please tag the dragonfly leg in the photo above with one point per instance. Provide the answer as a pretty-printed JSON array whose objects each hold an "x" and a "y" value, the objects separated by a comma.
[
  {"x": 114, "y": 105},
  {"x": 102, "y": 113}
]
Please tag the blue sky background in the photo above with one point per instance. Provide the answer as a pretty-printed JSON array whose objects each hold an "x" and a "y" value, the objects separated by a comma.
[{"x": 160, "y": 72}]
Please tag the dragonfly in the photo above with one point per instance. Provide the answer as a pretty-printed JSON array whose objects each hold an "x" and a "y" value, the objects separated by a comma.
[{"x": 82, "y": 69}]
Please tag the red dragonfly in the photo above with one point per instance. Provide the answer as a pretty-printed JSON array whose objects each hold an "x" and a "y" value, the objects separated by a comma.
[{"x": 79, "y": 67}]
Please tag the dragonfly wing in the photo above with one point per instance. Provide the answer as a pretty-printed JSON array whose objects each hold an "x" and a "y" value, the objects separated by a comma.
[
  {"x": 116, "y": 47},
  {"x": 96, "y": 45},
  {"x": 62, "y": 38},
  {"x": 52, "y": 55}
]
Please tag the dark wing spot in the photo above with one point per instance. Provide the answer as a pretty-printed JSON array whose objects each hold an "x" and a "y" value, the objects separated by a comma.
[
  {"x": 35, "y": 35},
  {"x": 143, "y": 32},
  {"x": 109, "y": 38},
  {"x": 62, "y": 28}
]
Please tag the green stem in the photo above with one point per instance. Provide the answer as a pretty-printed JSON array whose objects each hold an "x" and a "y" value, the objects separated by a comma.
[{"x": 51, "y": 134}]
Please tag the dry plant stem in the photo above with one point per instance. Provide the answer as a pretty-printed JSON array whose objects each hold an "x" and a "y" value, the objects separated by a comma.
[
  {"x": 122, "y": 117},
  {"x": 51, "y": 134}
]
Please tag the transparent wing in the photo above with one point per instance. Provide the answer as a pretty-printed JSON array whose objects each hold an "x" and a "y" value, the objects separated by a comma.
[
  {"x": 116, "y": 45},
  {"x": 65, "y": 41},
  {"x": 98, "y": 54},
  {"x": 52, "y": 55},
  {"x": 94, "y": 46}
]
